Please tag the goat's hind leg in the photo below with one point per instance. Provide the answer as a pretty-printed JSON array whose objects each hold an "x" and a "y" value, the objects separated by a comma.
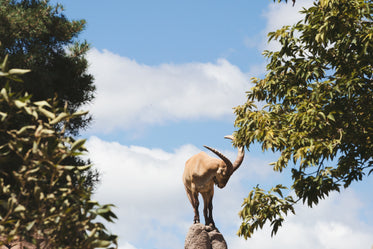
[{"x": 193, "y": 198}]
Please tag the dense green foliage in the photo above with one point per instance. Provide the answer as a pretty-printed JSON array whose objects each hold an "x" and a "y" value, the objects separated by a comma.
[
  {"x": 43, "y": 200},
  {"x": 318, "y": 116},
  {"x": 45, "y": 187},
  {"x": 36, "y": 35},
  {"x": 39, "y": 37}
]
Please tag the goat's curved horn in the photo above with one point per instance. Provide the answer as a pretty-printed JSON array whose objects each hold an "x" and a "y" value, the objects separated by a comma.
[
  {"x": 237, "y": 163},
  {"x": 240, "y": 155},
  {"x": 226, "y": 160}
]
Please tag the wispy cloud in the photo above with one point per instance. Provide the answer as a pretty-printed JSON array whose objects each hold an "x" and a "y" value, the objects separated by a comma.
[
  {"x": 130, "y": 94},
  {"x": 277, "y": 15}
]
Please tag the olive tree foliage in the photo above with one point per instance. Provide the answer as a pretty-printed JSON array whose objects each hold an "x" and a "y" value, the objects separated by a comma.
[
  {"x": 43, "y": 200},
  {"x": 37, "y": 35},
  {"x": 318, "y": 112}
]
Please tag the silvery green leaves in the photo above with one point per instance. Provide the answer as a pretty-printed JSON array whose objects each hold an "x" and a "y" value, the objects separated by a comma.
[
  {"x": 12, "y": 73},
  {"x": 43, "y": 198}
]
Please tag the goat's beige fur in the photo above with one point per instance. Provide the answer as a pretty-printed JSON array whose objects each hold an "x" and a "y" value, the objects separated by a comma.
[{"x": 202, "y": 172}]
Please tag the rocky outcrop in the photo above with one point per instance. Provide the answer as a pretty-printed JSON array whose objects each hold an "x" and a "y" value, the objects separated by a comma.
[{"x": 204, "y": 237}]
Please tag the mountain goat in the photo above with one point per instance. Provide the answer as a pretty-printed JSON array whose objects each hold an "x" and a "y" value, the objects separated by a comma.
[{"x": 202, "y": 172}]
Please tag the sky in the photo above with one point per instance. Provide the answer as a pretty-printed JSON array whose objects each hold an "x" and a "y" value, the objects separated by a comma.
[{"x": 168, "y": 75}]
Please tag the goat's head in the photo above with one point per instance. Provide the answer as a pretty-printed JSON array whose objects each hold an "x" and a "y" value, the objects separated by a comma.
[{"x": 226, "y": 167}]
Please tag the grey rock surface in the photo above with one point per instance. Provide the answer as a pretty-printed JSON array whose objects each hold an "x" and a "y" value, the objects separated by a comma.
[{"x": 204, "y": 237}]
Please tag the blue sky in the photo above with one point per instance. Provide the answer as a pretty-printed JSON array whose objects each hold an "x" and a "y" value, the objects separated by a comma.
[
  {"x": 172, "y": 32},
  {"x": 168, "y": 74}
]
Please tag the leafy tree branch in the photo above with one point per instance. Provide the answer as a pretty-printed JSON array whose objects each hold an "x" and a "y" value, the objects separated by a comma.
[
  {"x": 43, "y": 200},
  {"x": 318, "y": 92}
]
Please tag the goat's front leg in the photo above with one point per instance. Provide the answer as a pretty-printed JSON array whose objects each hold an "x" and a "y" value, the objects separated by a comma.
[
  {"x": 207, "y": 208},
  {"x": 211, "y": 220}
]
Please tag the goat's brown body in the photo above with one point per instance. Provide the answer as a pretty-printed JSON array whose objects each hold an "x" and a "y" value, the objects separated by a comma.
[
  {"x": 201, "y": 173},
  {"x": 198, "y": 177}
]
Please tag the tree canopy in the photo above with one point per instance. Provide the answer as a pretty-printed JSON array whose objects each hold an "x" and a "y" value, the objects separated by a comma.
[
  {"x": 36, "y": 35},
  {"x": 45, "y": 186},
  {"x": 318, "y": 109},
  {"x": 43, "y": 200}
]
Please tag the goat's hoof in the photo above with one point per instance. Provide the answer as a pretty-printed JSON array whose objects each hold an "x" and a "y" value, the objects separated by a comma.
[
  {"x": 209, "y": 228},
  {"x": 211, "y": 225}
]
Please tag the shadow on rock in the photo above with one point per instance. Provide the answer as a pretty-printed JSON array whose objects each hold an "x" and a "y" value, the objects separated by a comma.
[{"x": 204, "y": 237}]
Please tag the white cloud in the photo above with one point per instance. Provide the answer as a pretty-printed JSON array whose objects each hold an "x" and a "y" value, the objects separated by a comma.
[
  {"x": 277, "y": 15},
  {"x": 130, "y": 94},
  {"x": 126, "y": 245},
  {"x": 333, "y": 224},
  {"x": 154, "y": 212},
  {"x": 282, "y": 14},
  {"x": 146, "y": 186}
]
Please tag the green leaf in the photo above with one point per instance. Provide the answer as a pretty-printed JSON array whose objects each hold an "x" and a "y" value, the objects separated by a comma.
[
  {"x": 47, "y": 113},
  {"x": 25, "y": 129},
  {"x": 3, "y": 116},
  {"x": 331, "y": 117},
  {"x": 80, "y": 113},
  {"x": 20, "y": 104},
  {"x": 66, "y": 167},
  {"x": 18, "y": 71},
  {"x": 59, "y": 118},
  {"x": 77, "y": 144},
  {"x": 3, "y": 66},
  {"x": 42, "y": 103},
  {"x": 83, "y": 168},
  {"x": 4, "y": 93},
  {"x": 101, "y": 243},
  {"x": 19, "y": 208},
  {"x": 30, "y": 225}
]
